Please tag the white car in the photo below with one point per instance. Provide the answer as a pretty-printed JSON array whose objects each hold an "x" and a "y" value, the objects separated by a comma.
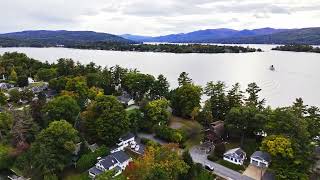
[
  {"x": 137, "y": 148},
  {"x": 133, "y": 146},
  {"x": 209, "y": 167}
]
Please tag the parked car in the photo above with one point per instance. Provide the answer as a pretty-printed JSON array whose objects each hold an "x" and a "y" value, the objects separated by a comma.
[{"x": 209, "y": 167}]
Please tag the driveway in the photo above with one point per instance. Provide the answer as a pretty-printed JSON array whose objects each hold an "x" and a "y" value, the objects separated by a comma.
[
  {"x": 254, "y": 172},
  {"x": 151, "y": 137},
  {"x": 199, "y": 156}
]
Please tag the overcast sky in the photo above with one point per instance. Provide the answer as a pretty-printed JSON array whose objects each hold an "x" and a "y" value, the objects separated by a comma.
[{"x": 156, "y": 17}]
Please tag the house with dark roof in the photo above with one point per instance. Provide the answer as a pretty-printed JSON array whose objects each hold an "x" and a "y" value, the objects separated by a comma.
[
  {"x": 126, "y": 99},
  {"x": 117, "y": 161},
  {"x": 260, "y": 159},
  {"x": 215, "y": 133},
  {"x": 235, "y": 156},
  {"x": 124, "y": 141}
]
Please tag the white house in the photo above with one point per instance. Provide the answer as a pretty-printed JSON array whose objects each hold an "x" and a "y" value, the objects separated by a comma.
[
  {"x": 235, "y": 156},
  {"x": 260, "y": 159},
  {"x": 30, "y": 80},
  {"x": 117, "y": 161},
  {"x": 124, "y": 142}
]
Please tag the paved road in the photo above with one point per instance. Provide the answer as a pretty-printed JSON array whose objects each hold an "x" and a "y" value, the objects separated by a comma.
[
  {"x": 201, "y": 157},
  {"x": 151, "y": 137}
]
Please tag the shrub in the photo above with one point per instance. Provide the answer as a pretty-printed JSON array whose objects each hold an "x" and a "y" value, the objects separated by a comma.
[
  {"x": 169, "y": 134},
  {"x": 88, "y": 160}
]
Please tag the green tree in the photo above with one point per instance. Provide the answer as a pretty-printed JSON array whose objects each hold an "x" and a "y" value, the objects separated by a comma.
[
  {"x": 15, "y": 95},
  {"x": 106, "y": 119},
  {"x": 313, "y": 119},
  {"x": 160, "y": 88},
  {"x": 185, "y": 99},
  {"x": 78, "y": 86},
  {"x": 46, "y": 74},
  {"x": 184, "y": 79},
  {"x": 278, "y": 146},
  {"x": 22, "y": 81},
  {"x": 245, "y": 120},
  {"x": 65, "y": 67},
  {"x": 62, "y": 107},
  {"x": 205, "y": 117},
  {"x": 13, "y": 76},
  {"x": 156, "y": 112},
  {"x": 253, "y": 99},
  {"x": 218, "y": 99},
  {"x": 58, "y": 84},
  {"x": 235, "y": 96},
  {"x": 135, "y": 118},
  {"x": 53, "y": 147},
  {"x": 137, "y": 84}
]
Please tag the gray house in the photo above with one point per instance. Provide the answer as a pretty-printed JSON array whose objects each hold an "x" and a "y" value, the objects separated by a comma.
[
  {"x": 117, "y": 161},
  {"x": 260, "y": 159},
  {"x": 235, "y": 156}
]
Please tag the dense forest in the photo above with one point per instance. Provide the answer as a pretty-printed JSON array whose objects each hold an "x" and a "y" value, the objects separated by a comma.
[
  {"x": 40, "y": 129},
  {"x": 168, "y": 48},
  {"x": 298, "y": 48}
]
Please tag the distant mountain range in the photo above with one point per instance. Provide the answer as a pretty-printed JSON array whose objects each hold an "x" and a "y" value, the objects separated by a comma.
[
  {"x": 55, "y": 38},
  {"x": 43, "y": 38},
  {"x": 230, "y": 36}
]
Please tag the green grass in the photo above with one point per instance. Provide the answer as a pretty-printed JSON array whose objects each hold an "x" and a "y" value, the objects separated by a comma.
[{"x": 191, "y": 128}]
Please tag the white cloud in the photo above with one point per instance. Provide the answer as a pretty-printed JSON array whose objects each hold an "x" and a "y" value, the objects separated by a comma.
[{"x": 156, "y": 17}]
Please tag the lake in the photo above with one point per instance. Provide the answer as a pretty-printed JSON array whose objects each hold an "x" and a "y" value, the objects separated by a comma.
[{"x": 296, "y": 74}]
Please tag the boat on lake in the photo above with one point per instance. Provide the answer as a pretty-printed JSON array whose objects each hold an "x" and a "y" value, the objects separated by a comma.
[{"x": 272, "y": 68}]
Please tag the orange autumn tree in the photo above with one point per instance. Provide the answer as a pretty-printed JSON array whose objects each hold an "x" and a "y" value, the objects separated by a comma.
[{"x": 157, "y": 163}]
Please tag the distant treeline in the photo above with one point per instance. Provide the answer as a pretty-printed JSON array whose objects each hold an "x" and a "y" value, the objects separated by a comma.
[
  {"x": 298, "y": 48},
  {"x": 168, "y": 48},
  {"x": 123, "y": 46}
]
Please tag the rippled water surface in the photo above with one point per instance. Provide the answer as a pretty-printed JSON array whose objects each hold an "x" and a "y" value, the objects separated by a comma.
[{"x": 296, "y": 74}]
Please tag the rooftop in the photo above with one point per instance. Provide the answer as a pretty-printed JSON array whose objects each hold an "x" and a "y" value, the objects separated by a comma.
[
  {"x": 237, "y": 151},
  {"x": 126, "y": 136},
  {"x": 263, "y": 155},
  {"x": 95, "y": 170},
  {"x": 121, "y": 156},
  {"x": 108, "y": 162}
]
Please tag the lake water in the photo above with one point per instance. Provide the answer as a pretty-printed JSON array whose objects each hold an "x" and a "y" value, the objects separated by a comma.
[{"x": 296, "y": 74}]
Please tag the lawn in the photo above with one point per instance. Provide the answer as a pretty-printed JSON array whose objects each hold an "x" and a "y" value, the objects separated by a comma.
[{"x": 191, "y": 128}]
